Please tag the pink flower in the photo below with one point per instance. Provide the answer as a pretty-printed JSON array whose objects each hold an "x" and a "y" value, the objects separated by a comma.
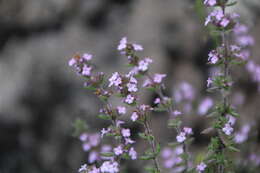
[
  {"x": 176, "y": 113},
  {"x": 122, "y": 44},
  {"x": 201, "y": 167},
  {"x": 213, "y": 57},
  {"x": 133, "y": 153},
  {"x": 118, "y": 150},
  {"x": 121, "y": 110},
  {"x": 157, "y": 101},
  {"x": 134, "y": 116},
  {"x": 209, "y": 82},
  {"x": 83, "y": 168},
  {"x": 187, "y": 130},
  {"x": 115, "y": 79},
  {"x": 129, "y": 99},
  {"x": 210, "y": 2},
  {"x": 227, "y": 129},
  {"x": 132, "y": 87},
  {"x": 72, "y": 62},
  {"x": 224, "y": 22},
  {"x": 86, "y": 71},
  {"x": 158, "y": 78},
  {"x": 126, "y": 132},
  {"x": 144, "y": 64},
  {"x": 83, "y": 137},
  {"x": 109, "y": 167},
  {"x": 87, "y": 56},
  {"x": 137, "y": 47},
  {"x": 181, "y": 137}
]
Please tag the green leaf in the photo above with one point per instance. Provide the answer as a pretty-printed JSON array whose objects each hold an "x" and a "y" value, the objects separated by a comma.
[
  {"x": 231, "y": 4},
  {"x": 233, "y": 149},
  {"x": 107, "y": 154},
  {"x": 104, "y": 117},
  {"x": 79, "y": 127}
]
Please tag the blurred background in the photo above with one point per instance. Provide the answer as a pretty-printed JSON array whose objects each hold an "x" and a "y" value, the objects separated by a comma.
[{"x": 40, "y": 96}]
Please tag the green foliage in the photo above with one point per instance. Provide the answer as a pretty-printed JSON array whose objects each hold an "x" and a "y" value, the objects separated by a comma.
[{"x": 79, "y": 127}]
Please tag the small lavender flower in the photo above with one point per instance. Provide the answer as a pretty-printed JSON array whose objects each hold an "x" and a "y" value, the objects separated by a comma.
[
  {"x": 93, "y": 156},
  {"x": 118, "y": 150},
  {"x": 126, "y": 132},
  {"x": 132, "y": 87},
  {"x": 86, "y": 70},
  {"x": 94, "y": 170},
  {"x": 105, "y": 131},
  {"x": 158, "y": 78},
  {"x": 176, "y": 113},
  {"x": 157, "y": 101},
  {"x": 129, "y": 99},
  {"x": 188, "y": 130},
  {"x": 213, "y": 57},
  {"x": 209, "y": 82},
  {"x": 83, "y": 137},
  {"x": 133, "y": 153},
  {"x": 115, "y": 79},
  {"x": 137, "y": 47},
  {"x": 134, "y": 116},
  {"x": 129, "y": 141},
  {"x": 86, "y": 146},
  {"x": 87, "y": 57},
  {"x": 227, "y": 129},
  {"x": 123, "y": 44},
  {"x": 144, "y": 64},
  {"x": 224, "y": 22},
  {"x": 205, "y": 105},
  {"x": 210, "y": 2},
  {"x": 201, "y": 167},
  {"x": 109, "y": 167},
  {"x": 181, "y": 137},
  {"x": 121, "y": 110},
  {"x": 83, "y": 168}
]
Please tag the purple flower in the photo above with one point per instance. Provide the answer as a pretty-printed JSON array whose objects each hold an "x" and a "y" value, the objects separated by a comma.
[
  {"x": 133, "y": 153},
  {"x": 105, "y": 131},
  {"x": 109, "y": 167},
  {"x": 224, "y": 22},
  {"x": 210, "y": 2},
  {"x": 129, "y": 141},
  {"x": 115, "y": 79},
  {"x": 72, "y": 62},
  {"x": 126, "y": 133},
  {"x": 94, "y": 170},
  {"x": 181, "y": 137},
  {"x": 118, "y": 150},
  {"x": 201, "y": 167},
  {"x": 121, "y": 110},
  {"x": 122, "y": 44},
  {"x": 144, "y": 64},
  {"x": 187, "y": 130},
  {"x": 227, "y": 129},
  {"x": 157, "y": 101},
  {"x": 176, "y": 113},
  {"x": 158, "y": 78},
  {"x": 132, "y": 87},
  {"x": 129, "y": 99},
  {"x": 137, "y": 47},
  {"x": 93, "y": 156},
  {"x": 209, "y": 82},
  {"x": 83, "y": 168},
  {"x": 205, "y": 105},
  {"x": 134, "y": 116},
  {"x": 94, "y": 139},
  {"x": 83, "y": 137},
  {"x": 87, "y": 57},
  {"x": 86, "y": 146},
  {"x": 86, "y": 71},
  {"x": 213, "y": 57}
]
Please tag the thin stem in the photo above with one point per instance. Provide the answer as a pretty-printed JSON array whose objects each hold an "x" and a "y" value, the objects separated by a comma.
[
  {"x": 170, "y": 110},
  {"x": 152, "y": 143}
]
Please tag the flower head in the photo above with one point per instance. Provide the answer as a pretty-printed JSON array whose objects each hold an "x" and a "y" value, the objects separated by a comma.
[
  {"x": 126, "y": 132},
  {"x": 158, "y": 78},
  {"x": 129, "y": 99},
  {"x": 134, "y": 116},
  {"x": 118, "y": 150},
  {"x": 121, "y": 110},
  {"x": 133, "y": 153},
  {"x": 201, "y": 167},
  {"x": 181, "y": 137},
  {"x": 109, "y": 167},
  {"x": 227, "y": 129}
]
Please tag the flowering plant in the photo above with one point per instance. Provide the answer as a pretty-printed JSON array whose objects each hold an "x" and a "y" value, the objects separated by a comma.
[{"x": 120, "y": 94}]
